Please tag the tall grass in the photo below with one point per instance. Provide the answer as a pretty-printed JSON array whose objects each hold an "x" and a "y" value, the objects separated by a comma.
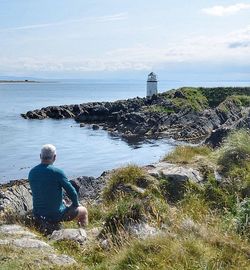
[
  {"x": 235, "y": 151},
  {"x": 185, "y": 154}
]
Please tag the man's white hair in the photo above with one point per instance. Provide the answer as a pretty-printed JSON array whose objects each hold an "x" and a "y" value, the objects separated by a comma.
[{"x": 48, "y": 152}]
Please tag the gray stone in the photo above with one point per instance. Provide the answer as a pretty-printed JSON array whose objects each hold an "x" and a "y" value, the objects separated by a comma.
[
  {"x": 61, "y": 260},
  {"x": 105, "y": 244},
  {"x": 190, "y": 226},
  {"x": 5, "y": 241},
  {"x": 142, "y": 230},
  {"x": 16, "y": 197},
  {"x": 175, "y": 172},
  {"x": 95, "y": 127},
  {"x": 31, "y": 243},
  {"x": 78, "y": 235},
  {"x": 14, "y": 229}
]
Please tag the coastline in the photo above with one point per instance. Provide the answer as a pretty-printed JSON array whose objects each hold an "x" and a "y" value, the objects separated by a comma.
[{"x": 187, "y": 114}]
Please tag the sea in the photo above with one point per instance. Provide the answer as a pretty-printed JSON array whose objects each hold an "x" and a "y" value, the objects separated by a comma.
[{"x": 80, "y": 151}]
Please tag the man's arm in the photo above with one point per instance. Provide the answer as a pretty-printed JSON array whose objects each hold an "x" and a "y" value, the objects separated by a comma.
[{"x": 70, "y": 190}]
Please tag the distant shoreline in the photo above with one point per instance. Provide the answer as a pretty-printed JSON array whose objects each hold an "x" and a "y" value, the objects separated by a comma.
[{"x": 18, "y": 81}]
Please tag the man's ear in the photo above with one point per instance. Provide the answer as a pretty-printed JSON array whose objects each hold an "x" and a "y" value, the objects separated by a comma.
[{"x": 54, "y": 157}]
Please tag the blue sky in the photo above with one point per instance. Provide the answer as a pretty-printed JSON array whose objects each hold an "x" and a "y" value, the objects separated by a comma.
[{"x": 195, "y": 39}]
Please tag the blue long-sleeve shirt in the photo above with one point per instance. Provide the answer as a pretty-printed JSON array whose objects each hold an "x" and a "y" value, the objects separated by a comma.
[{"x": 47, "y": 183}]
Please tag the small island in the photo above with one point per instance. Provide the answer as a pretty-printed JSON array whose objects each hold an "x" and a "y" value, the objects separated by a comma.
[{"x": 19, "y": 81}]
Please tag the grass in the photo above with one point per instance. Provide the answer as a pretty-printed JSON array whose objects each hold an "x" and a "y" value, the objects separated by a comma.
[
  {"x": 190, "y": 98},
  {"x": 125, "y": 178},
  {"x": 160, "y": 109},
  {"x": 235, "y": 151},
  {"x": 131, "y": 197},
  {"x": 238, "y": 101},
  {"x": 185, "y": 154},
  {"x": 217, "y": 95},
  {"x": 206, "y": 229},
  {"x": 199, "y": 99}
]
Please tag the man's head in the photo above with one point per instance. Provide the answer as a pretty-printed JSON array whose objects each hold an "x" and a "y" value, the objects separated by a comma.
[{"x": 48, "y": 154}]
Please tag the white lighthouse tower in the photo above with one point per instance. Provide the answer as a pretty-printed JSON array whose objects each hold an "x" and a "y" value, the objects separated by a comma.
[{"x": 152, "y": 85}]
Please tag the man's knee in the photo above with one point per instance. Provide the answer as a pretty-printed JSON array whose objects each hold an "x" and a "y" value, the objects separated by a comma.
[{"x": 82, "y": 211}]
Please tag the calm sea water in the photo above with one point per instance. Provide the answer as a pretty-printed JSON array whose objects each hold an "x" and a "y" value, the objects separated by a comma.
[{"x": 80, "y": 151}]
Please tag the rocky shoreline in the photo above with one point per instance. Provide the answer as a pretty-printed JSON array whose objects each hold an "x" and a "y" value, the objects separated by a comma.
[
  {"x": 184, "y": 114},
  {"x": 16, "y": 196}
]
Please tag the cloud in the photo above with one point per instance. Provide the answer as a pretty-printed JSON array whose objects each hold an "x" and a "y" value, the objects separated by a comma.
[
  {"x": 239, "y": 44},
  {"x": 225, "y": 10},
  {"x": 232, "y": 47},
  {"x": 100, "y": 19}
]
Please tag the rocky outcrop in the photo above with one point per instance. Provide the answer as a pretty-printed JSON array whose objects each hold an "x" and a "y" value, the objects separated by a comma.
[
  {"x": 16, "y": 197},
  {"x": 235, "y": 120},
  {"x": 174, "y": 178},
  {"x": 76, "y": 235},
  {"x": 157, "y": 116},
  {"x": 16, "y": 236}
]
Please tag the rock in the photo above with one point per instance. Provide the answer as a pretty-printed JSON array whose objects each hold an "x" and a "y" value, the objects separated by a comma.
[
  {"x": 134, "y": 118},
  {"x": 5, "y": 241},
  {"x": 30, "y": 243},
  {"x": 142, "y": 230},
  {"x": 174, "y": 178},
  {"x": 91, "y": 188},
  {"x": 16, "y": 197},
  {"x": 61, "y": 260},
  {"x": 18, "y": 236},
  {"x": 82, "y": 125},
  {"x": 105, "y": 244},
  {"x": 174, "y": 172},
  {"x": 190, "y": 226},
  {"x": 78, "y": 235},
  {"x": 95, "y": 127},
  {"x": 179, "y": 94},
  {"x": 216, "y": 137},
  {"x": 16, "y": 230}
]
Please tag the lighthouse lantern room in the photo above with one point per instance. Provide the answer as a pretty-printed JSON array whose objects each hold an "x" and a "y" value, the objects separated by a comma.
[{"x": 152, "y": 85}]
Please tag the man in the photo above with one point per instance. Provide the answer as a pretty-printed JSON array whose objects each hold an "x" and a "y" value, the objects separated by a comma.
[{"x": 47, "y": 183}]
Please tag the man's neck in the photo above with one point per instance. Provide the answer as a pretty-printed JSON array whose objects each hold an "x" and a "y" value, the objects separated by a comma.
[{"x": 46, "y": 162}]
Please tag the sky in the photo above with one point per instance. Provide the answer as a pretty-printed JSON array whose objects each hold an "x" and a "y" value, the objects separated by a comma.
[{"x": 179, "y": 40}]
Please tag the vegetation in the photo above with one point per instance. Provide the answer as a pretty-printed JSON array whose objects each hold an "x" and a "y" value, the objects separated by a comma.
[
  {"x": 185, "y": 154},
  {"x": 217, "y": 95},
  {"x": 206, "y": 228},
  {"x": 159, "y": 109},
  {"x": 199, "y": 99}
]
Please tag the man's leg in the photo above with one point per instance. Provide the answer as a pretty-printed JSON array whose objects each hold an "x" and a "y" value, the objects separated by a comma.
[
  {"x": 82, "y": 216},
  {"x": 80, "y": 213}
]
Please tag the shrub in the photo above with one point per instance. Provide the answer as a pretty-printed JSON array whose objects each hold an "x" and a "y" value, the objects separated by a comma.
[{"x": 125, "y": 178}]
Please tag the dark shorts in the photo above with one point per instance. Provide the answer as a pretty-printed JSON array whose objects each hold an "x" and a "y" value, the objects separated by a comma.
[{"x": 70, "y": 213}]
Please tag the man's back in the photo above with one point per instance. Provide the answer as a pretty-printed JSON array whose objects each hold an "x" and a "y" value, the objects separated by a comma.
[{"x": 46, "y": 183}]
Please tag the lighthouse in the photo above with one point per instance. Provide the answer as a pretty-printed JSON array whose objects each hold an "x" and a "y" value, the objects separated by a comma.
[{"x": 151, "y": 85}]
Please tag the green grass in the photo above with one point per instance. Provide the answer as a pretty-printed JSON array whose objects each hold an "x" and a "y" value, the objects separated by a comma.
[
  {"x": 159, "y": 109},
  {"x": 208, "y": 228},
  {"x": 235, "y": 151},
  {"x": 217, "y": 95},
  {"x": 130, "y": 175},
  {"x": 192, "y": 99},
  {"x": 198, "y": 99},
  {"x": 185, "y": 154}
]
